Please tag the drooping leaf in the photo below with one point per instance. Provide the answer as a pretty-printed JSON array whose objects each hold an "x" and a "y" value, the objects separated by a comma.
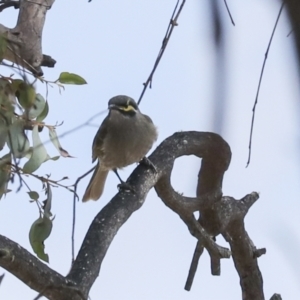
[
  {"x": 39, "y": 153},
  {"x": 56, "y": 143},
  {"x": 1, "y": 277},
  {"x": 48, "y": 201},
  {"x": 26, "y": 95},
  {"x": 3, "y": 46},
  {"x": 44, "y": 113},
  {"x": 54, "y": 158},
  {"x": 5, "y": 168},
  {"x": 71, "y": 78},
  {"x": 37, "y": 107},
  {"x": 17, "y": 141},
  {"x": 33, "y": 195},
  {"x": 3, "y": 132},
  {"x": 7, "y": 99},
  {"x": 39, "y": 232}
]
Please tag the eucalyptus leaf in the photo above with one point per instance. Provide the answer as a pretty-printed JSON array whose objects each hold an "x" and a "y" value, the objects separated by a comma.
[
  {"x": 5, "y": 162},
  {"x": 44, "y": 113},
  {"x": 26, "y": 95},
  {"x": 48, "y": 201},
  {"x": 33, "y": 195},
  {"x": 7, "y": 99},
  {"x": 39, "y": 232},
  {"x": 3, "y": 133},
  {"x": 39, "y": 153},
  {"x": 37, "y": 108},
  {"x": 71, "y": 78},
  {"x": 17, "y": 141},
  {"x": 3, "y": 46},
  {"x": 56, "y": 143}
]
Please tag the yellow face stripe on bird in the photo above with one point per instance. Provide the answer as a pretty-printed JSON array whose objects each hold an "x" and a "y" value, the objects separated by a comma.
[{"x": 127, "y": 108}]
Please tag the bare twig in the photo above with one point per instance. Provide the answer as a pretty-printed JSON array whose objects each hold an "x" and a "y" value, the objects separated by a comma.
[
  {"x": 74, "y": 210},
  {"x": 230, "y": 16},
  {"x": 172, "y": 24},
  {"x": 259, "y": 83}
]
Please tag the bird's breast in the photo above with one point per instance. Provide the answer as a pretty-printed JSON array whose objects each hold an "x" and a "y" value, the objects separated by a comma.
[{"x": 127, "y": 141}]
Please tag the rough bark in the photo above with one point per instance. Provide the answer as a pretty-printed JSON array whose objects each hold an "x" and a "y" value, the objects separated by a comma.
[{"x": 24, "y": 42}]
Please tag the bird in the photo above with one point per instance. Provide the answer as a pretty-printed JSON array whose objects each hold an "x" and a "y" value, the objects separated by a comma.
[{"x": 124, "y": 137}]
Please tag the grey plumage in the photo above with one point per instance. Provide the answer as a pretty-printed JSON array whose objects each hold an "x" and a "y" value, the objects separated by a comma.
[{"x": 124, "y": 137}]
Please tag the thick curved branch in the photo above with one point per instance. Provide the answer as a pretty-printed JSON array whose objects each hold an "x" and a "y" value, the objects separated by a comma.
[
  {"x": 24, "y": 42},
  {"x": 106, "y": 224},
  {"x": 215, "y": 155}
]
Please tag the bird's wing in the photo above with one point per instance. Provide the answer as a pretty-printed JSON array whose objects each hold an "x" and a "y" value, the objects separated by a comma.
[{"x": 97, "y": 148}]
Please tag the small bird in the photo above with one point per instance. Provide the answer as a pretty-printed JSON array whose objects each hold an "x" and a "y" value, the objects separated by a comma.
[{"x": 124, "y": 137}]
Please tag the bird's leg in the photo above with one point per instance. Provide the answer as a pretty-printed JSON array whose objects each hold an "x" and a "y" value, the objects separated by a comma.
[
  {"x": 147, "y": 162},
  {"x": 123, "y": 185}
]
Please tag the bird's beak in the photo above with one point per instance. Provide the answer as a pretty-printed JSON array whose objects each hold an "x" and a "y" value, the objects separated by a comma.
[{"x": 111, "y": 106}]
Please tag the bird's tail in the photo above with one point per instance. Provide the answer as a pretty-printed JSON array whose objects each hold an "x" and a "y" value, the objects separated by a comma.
[{"x": 95, "y": 187}]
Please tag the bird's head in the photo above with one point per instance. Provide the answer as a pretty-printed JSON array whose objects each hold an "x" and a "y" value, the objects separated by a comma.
[{"x": 123, "y": 104}]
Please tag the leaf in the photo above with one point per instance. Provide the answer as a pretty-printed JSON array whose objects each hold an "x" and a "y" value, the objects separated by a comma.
[
  {"x": 56, "y": 143},
  {"x": 26, "y": 95},
  {"x": 3, "y": 133},
  {"x": 7, "y": 99},
  {"x": 17, "y": 141},
  {"x": 39, "y": 232},
  {"x": 39, "y": 153},
  {"x": 37, "y": 108},
  {"x": 5, "y": 168},
  {"x": 1, "y": 277},
  {"x": 48, "y": 201},
  {"x": 71, "y": 78},
  {"x": 44, "y": 113},
  {"x": 33, "y": 195},
  {"x": 3, "y": 46}
]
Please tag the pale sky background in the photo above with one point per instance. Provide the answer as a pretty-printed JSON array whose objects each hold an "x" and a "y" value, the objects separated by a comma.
[{"x": 113, "y": 45}]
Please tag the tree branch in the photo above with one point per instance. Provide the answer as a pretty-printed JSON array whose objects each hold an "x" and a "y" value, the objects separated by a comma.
[
  {"x": 24, "y": 42},
  {"x": 37, "y": 275},
  {"x": 226, "y": 214}
]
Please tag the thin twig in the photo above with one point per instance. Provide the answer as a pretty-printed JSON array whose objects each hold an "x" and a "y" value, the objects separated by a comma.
[
  {"x": 172, "y": 24},
  {"x": 230, "y": 16},
  {"x": 291, "y": 31},
  {"x": 87, "y": 123},
  {"x": 74, "y": 210},
  {"x": 259, "y": 83}
]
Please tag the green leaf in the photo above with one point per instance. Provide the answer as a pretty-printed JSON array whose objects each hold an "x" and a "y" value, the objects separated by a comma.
[
  {"x": 48, "y": 201},
  {"x": 26, "y": 95},
  {"x": 17, "y": 141},
  {"x": 3, "y": 132},
  {"x": 56, "y": 143},
  {"x": 71, "y": 78},
  {"x": 54, "y": 158},
  {"x": 39, "y": 153},
  {"x": 3, "y": 46},
  {"x": 44, "y": 113},
  {"x": 5, "y": 168},
  {"x": 7, "y": 99},
  {"x": 37, "y": 107},
  {"x": 33, "y": 195},
  {"x": 39, "y": 232}
]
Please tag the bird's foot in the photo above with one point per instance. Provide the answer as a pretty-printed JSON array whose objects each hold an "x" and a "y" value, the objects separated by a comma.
[
  {"x": 147, "y": 162},
  {"x": 124, "y": 186}
]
